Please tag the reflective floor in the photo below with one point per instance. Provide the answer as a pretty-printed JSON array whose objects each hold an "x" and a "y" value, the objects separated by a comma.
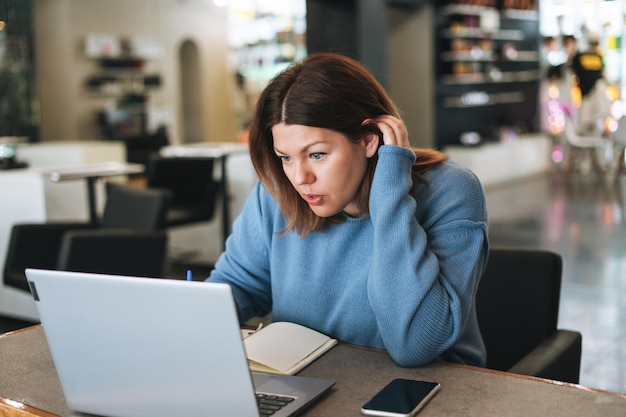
[{"x": 583, "y": 218}]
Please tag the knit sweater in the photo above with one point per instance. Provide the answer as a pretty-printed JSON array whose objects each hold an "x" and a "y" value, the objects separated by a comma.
[{"x": 402, "y": 279}]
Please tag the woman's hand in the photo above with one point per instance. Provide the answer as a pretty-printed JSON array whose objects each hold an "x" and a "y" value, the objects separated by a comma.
[{"x": 393, "y": 130}]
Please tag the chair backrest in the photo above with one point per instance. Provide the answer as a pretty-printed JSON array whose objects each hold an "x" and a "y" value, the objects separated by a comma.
[
  {"x": 134, "y": 207},
  {"x": 33, "y": 245},
  {"x": 192, "y": 183},
  {"x": 114, "y": 251},
  {"x": 517, "y": 302},
  {"x": 620, "y": 134},
  {"x": 576, "y": 140}
]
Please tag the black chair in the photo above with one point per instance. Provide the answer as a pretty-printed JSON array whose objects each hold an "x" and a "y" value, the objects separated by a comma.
[
  {"x": 129, "y": 239},
  {"x": 518, "y": 305},
  {"x": 191, "y": 181},
  {"x": 140, "y": 149}
]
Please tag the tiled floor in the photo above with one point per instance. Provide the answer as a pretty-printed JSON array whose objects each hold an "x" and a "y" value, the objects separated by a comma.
[{"x": 584, "y": 219}]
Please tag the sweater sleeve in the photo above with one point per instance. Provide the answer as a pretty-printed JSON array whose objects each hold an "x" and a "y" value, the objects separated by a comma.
[
  {"x": 244, "y": 265},
  {"x": 429, "y": 253}
]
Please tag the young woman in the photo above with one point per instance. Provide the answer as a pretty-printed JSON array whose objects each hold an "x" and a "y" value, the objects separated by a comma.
[{"x": 350, "y": 231}]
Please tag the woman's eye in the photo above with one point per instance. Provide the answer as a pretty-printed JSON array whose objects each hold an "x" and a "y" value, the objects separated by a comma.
[
  {"x": 317, "y": 155},
  {"x": 284, "y": 158}
]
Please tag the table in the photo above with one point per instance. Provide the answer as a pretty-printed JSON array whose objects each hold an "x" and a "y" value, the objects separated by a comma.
[
  {"x": 92, "y": 173},
  {"x": 29, "y": 385}
]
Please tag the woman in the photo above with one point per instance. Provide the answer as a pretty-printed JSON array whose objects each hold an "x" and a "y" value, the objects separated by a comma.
[{"x": 350, "y": 231}]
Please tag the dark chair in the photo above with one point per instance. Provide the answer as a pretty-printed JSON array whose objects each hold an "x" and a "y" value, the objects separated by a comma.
[
  {"x": 129, "y": 239},
  {"x": 140, "y": 149},
  {"x": 518, "y": 306},
  {"x": 193, "y": 186},
  {"x": 10, "y": 324}
]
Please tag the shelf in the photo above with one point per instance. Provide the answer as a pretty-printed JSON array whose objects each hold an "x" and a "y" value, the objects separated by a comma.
[
  {"x": 482, "y": 99},
  {"x": 481, "y": 78},
  {"x": 477, "y": 33},
  {"x": 487, "y": 56},
  {"x": 524, "y": 56},
  {"x": 469, "y": 56},
  {"x": 487, "y": 66},
  {"x": 466, "y": 9},
  {"x": 122, "y": 63},
  {"x": 469, "y": 10},
  {"x": 122, "y": 83},
  {"x": 532, "y": 15}
]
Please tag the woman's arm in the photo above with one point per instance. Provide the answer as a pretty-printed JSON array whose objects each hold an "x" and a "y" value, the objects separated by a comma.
[
  {"x": 429, "y": 253},
  {"x": 245, "y": 262}
]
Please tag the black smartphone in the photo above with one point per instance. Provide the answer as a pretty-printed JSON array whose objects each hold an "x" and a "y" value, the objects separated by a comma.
[{"x": 400, "y": 398}]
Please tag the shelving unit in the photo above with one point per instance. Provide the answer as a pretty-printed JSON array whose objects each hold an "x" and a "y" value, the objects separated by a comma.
[
  {"x": 122, "y": 65},
  {"x": 123, "y": 79},
  {"x": 116, "y": 77},
  {"x": 487, "y": 66}
]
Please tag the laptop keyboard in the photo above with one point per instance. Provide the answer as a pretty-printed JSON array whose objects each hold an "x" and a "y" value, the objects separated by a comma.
[{"x": 269, "y": 404}]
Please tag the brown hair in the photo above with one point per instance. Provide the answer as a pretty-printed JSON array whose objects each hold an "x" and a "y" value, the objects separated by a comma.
[{"x": 329, "y": 91}]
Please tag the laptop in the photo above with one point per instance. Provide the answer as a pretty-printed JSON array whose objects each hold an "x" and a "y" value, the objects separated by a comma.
[{"x": 131, "y": 346}]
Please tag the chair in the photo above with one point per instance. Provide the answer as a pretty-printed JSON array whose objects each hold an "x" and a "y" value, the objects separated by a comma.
[
  {"x": 619, "y": 139},
  {"x": 10, "y": 324},
  {"x": 192, "y": 184},
  {"x": 128, "y": 240},
  {"x": 581, "y": 145},
  {"x": 518, "y": 306},
  {"x": 140, "y": 149}
]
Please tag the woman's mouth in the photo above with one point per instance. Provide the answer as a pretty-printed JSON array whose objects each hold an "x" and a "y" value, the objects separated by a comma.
[{"x": 313, "y": 199}]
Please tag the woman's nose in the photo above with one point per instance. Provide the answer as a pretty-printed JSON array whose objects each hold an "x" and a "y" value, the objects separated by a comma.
[{"x": 303, "y": 175}]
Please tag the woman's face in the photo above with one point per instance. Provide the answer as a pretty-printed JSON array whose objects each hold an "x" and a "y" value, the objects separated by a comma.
[{"x": 324, "y": 167}]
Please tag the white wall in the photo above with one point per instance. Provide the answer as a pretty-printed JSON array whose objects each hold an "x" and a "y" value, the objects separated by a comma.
[{"x": 60, "y": 27}]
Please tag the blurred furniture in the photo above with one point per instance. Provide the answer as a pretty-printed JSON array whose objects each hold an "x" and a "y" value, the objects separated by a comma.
[
  {"x": 503, "y": 161},
  {"x": 619, "y": 138},
  {"x": 64, "y": 153},
  {"x": 128, "y": 240},
  {"x": 192, "y": 184},
  {"x": 518, "y": 306},
  {"x": 10, "y": 324},
  {"x": 92, "y": 173},
  {"x": 29, "y": 196},
  {"x": 139, "y": 149},
  {"x": 8, "y": 153},
  {"x": 198, "y": 245},
  {"x": 581, "y": 146},
  {"x": 235, "y": 174}
]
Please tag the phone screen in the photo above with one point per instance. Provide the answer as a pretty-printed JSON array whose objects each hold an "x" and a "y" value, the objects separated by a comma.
[{"x": 401, "y": 397}]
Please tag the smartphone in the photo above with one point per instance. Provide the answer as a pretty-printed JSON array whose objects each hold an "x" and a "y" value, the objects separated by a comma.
[{"x": 400, "y": 398}]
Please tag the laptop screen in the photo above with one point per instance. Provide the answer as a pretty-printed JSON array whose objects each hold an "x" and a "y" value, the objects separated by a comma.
[{"x": 130, "y": 346}]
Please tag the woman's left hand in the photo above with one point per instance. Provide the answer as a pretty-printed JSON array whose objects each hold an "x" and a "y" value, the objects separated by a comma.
[{"x": 393, "y": 130}]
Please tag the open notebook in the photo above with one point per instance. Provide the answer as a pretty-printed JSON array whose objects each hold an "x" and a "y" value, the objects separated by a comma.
[
  {"x": 129, "y": 346},
  {"x": 284, "y": 348}
]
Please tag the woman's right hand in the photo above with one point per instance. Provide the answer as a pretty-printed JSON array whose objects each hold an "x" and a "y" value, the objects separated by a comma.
[{"x": 394, "y": 131}]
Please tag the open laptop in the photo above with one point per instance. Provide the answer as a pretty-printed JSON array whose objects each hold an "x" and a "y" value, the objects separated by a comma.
[{"x": 130, "y": 346}]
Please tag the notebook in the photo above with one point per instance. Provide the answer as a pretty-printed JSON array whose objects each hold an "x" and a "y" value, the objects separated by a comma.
[{"x": 130, "y": 346}]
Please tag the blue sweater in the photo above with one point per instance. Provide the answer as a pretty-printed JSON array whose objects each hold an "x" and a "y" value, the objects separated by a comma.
[{"x": 402, "y": 279}]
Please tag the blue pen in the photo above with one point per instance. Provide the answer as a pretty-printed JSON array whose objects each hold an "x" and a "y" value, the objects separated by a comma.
[{"x": 189, "y": 276}]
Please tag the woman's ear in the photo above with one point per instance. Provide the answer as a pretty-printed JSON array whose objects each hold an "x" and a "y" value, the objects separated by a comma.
[{"x": 371, "y": 142}]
